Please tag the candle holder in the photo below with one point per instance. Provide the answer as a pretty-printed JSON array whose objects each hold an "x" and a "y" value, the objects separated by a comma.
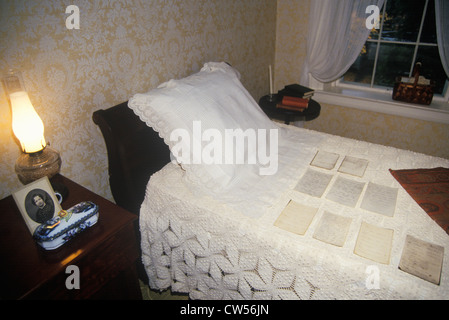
[{"x": 270, "y": 74}]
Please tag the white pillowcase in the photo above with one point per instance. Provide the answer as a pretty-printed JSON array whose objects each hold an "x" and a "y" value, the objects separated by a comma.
[{"x": 216, "y": 98}]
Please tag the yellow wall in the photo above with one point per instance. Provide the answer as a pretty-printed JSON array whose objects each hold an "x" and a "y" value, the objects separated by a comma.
[
  {"x": 405, "y": 133},
  {"x": 291, "y": 40},
  {"x": 122, "y": 47},
  {"x": 400, "y": 132}
]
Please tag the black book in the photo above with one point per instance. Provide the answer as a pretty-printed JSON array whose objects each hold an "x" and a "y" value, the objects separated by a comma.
[
  {"x": 299, "y": 89},
  {"x": 296, "y": 90}
]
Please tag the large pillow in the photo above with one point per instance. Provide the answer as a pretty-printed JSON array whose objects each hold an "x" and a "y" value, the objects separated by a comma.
[{"x": 195, "y": 113}]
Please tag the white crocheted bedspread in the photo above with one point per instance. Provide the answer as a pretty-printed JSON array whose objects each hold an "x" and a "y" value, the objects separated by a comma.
[{"x": 201, "y": 246}]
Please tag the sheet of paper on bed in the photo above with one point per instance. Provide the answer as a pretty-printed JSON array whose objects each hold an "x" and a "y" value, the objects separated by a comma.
[
  {"x": 333, "y": 229},
  {"x": 354, "y": 166},
  {"x": 380, "y": 199},
  {"x": 295, "y": 218},
  {"x": 325, "y": 160},
  {"x": 374, "y": 243},
  {"x": 313, "y": 183},
  {"x": 345, "y": 191},
  {"x": 422, "y": 259}
]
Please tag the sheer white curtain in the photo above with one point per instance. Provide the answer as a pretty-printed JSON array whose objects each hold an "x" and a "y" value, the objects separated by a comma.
[
  {"x": 442, "y": 22},
  {"x": 336, "y": 35}
]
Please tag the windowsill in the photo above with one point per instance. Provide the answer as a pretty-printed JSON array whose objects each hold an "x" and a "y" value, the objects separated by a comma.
[{"x": 437, "y": 111}]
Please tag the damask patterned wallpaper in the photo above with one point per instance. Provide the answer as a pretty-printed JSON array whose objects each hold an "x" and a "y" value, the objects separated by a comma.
[
  {"x": 411, "y": 134},
  {"x": 291, "y": 40},
  {"x": 121, "y": 48}
]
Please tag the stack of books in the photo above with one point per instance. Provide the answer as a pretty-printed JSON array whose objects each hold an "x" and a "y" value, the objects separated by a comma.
[
  {"x": 293, "y": 103},
  {"x": 295, "y": 97}
]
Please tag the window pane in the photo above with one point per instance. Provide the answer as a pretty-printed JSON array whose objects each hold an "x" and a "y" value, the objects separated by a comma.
[
  {"x": 362, "y": 69},
  {"x": 429, "y": 33},
  {"x": 394, "y": 60},
  {"x": 402, "y": 20},
  {"x": 374, "y": 34},
  {"x": 431, "y": 66}
]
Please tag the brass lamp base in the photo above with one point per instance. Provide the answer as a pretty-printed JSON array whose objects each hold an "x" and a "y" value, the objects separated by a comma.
[{"x": 33, "y": 166}]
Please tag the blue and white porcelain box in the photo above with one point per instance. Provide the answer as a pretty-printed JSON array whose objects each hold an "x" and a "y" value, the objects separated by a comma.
[{"x": 66, "y": 225}]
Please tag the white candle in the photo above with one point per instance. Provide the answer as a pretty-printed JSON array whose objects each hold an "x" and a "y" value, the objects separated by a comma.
[{"x": 271, "y": 79}]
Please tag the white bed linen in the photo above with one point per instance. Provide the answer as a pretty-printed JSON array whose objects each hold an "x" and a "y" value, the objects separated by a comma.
[
  {"x": 204, "y": 247},
  {"x": 214, "y": 100}
]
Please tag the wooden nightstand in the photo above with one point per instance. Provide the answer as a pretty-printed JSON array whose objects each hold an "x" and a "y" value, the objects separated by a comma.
[{"x": 105, "y": 254}]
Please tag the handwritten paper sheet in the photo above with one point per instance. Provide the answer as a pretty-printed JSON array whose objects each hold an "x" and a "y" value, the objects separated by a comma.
[
  {"x": 296, "y": 218},
  {"x": 333, "y": 229},
  {"x": 324, "y": 159},
  {"x": 345, "y": 191},
  {"x": 380, "y": 199},
  {"x": 313, "y": 183},
  {"x": 353, "y": 166},
  {"x": 374, "y": 243},
  {"x": 422, "y": 259}
]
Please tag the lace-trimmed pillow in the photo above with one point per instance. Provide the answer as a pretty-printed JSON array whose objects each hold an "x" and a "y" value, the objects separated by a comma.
[{"x": 182, "y": 110}]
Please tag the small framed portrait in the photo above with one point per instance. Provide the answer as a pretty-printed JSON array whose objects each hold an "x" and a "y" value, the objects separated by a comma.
[{"x": 37, "y": 202}]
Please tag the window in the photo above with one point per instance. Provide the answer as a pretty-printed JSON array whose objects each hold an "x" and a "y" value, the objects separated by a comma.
[{"x": 407, "y": 35}]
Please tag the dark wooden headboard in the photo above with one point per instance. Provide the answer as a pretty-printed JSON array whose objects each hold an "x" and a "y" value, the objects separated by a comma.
[{"x": 135, "y": 152}]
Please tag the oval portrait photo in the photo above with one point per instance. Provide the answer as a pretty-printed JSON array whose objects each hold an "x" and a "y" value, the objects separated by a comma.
[{"x": 39, "y": 205}]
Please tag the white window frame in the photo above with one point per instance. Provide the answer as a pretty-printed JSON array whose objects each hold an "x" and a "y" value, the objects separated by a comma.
[{"x": 379, "y": 99}]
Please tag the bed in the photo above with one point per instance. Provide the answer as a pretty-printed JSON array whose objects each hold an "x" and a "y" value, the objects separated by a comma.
[{"x": 327, "y": 218}]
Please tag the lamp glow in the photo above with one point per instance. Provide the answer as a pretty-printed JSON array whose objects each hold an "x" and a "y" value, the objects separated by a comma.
[
  {"x": 37, "y": 159},
  {"x": 26, "y": 123}
]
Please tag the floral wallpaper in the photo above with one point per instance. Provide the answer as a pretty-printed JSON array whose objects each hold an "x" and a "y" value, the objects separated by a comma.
[
  {"x": 121, "y": 47},
  {"x": 405, "y": 133},
  {"x": 291, "y": 41}
]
